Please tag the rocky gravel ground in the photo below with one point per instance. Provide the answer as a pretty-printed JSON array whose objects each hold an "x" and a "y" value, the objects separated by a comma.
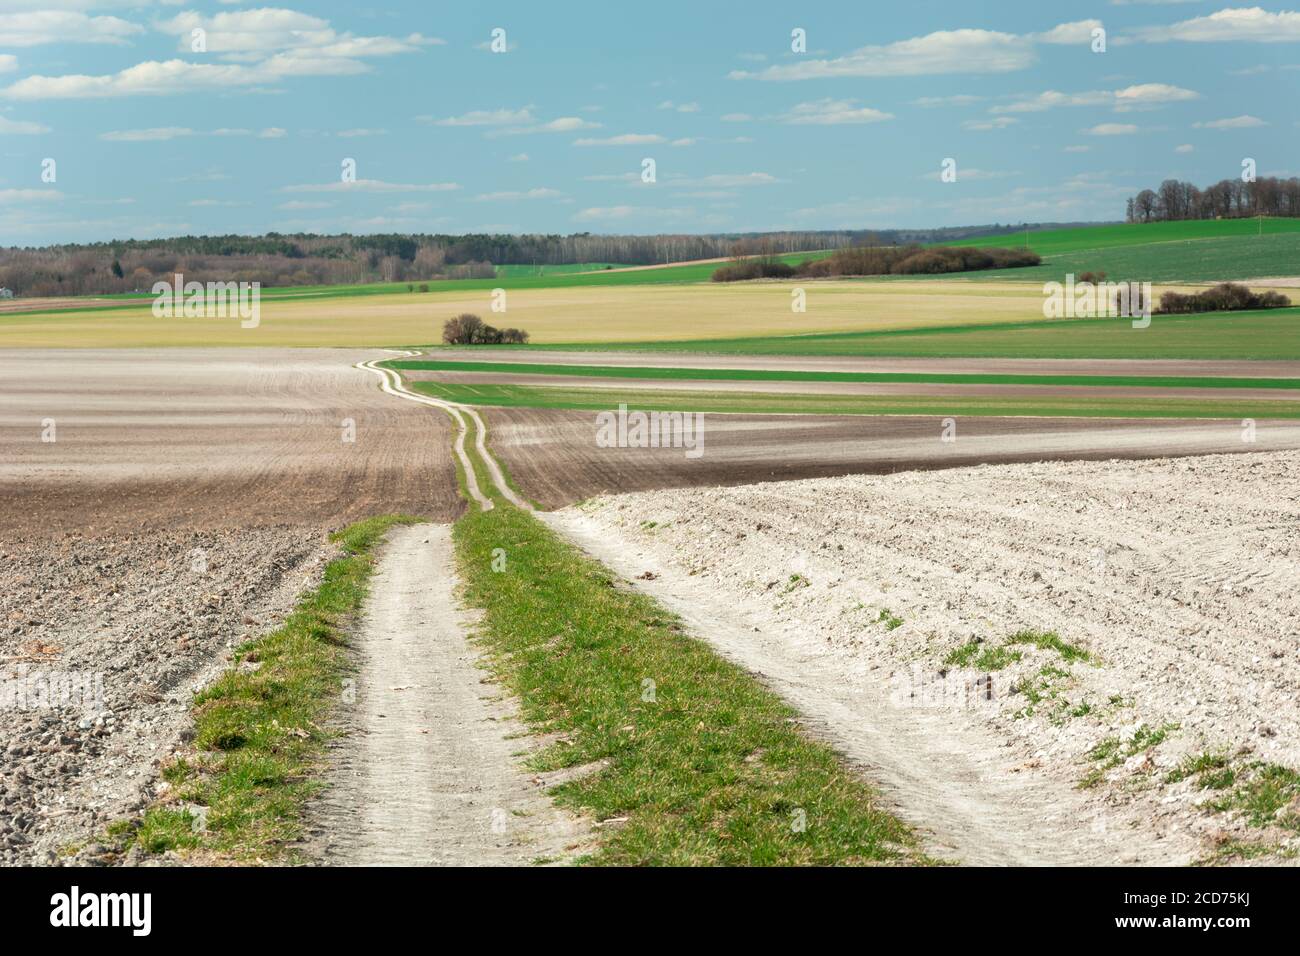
[
  {"x": 1171, "y": 701},
  {"x": 102, "y": 642}
]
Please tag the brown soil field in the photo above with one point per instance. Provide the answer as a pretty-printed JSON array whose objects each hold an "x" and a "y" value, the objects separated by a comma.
[
  {"x": 553, "y": 456},
  {"x": 211, "y": 438}
]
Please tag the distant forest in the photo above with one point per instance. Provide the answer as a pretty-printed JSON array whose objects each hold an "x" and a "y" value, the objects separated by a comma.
[
  {"x": 133, "y": 265},
  {"x": 1227, "y": 199}
]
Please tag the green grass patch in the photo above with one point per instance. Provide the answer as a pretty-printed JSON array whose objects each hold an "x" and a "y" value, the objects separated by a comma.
[
  {"x": 989, "y": 657},
  {"x": 1049, "y": 641},
  {"x": 889, "y": 619},
  {"x": 981, "y": 656},
  {"x": 1210, "y": 769},
  {"x": 258, "y": 734},
  {"x": 1264, "y": 794},
  {"x": 1112, "y": 751},
  {"x": 706, "y": 765},
  {"x": 600, "y": 399},
  {"x": 797, "y": 375}
]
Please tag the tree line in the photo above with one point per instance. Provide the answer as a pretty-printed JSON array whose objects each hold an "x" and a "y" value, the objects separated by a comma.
[
  {"x": 874, "y": 259},
  {"x": 276, "y": 259},
  {"x": 1227, "y": 199},
  {"x": 303, "y": 259}
]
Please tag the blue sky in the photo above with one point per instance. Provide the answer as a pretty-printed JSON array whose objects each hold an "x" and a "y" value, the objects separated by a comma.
[{"x": 151, "y": 138}]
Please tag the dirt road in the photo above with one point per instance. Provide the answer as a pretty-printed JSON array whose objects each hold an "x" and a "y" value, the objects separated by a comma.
[{"x": 428, "y": 772}]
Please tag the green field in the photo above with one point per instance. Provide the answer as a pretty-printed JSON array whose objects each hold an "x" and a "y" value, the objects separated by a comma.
[
  {"x": 600, "y": 399},
  {"x": 521, "y": 271},
  {"x": 1195, "y": 260},
  {"x": 1274, "y": 334},
  {"x": 796, "y": 375},
  {"x": 1202, "y": 251},
  {"x": 1050, "y": 242}
]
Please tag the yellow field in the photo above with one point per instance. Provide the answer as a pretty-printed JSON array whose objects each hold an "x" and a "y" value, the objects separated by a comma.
[{"x": 584, "y": 314}]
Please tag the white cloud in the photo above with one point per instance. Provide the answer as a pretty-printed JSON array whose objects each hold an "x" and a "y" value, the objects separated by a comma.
[
  {"x": 605, "y": 212},
  {"x": 20, "y": 127},
  {"x": 599, "y": 213},
  {"x": 960, "y": 99},
  {"x": 540, "y": 193},
  {"x": 725, "y": 181},
  {"x": 299, "y": 204},
  {"x": 736, "y": 117},
  {"x": 155, "y": 135},
  {"x": 1148, "y": 95},
  {"x": 259, "y": 48},
  {"x": 1132, "y": 98},
  {"x": 1185, "y": 148},
  {"x": 8, "y": 62},
  {"x": 503, "y": 117},
  {"x": 162, "y": 133},
  {"x": 30, "y": 195},
  {"x": 150, "y": 78},
  {"x": 624, "y": 139},
  {"x": 62, "y": 26},
  {"x": 1110, "y": 129},
  {"x": 518, "y": 158},
  {"x": 971, "y": 174},
  {"x": 832, "y": 112},
  {"x": 1077, "y": 149},
  {"x": 1253, "y": 24},
  {"x": 564, "y": 124},
  {"x": 356, "y": 133},
  {"x": 679, "y": 107},
  {"x": 370, "y": 186},
  {"x": 209, "y": 203},
  {"x": 985, "y": 125},
  {"x": 947, "y": 51},
  {"x": 1235, "y": 122},
  {"x": 251, "y": 34},
  {"x": 1080, "y": 31},
  {"x": 1051, "y": 98}
]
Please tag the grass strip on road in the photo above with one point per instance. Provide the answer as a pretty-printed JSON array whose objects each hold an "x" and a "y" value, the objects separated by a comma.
[
  {"x": 798, "y": 375},
  {"x": 258, "y": 741},
  {"x": 700, "y": 764},
  {"x": 759, "y": 403}
]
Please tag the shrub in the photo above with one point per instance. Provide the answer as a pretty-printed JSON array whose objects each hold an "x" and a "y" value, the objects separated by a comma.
[
  {"x": 753, "y": 269},
  {"x": 1224, "y": 297},
  {"x": 942, "y": 259},
  {"x": 469, "y": 329},
  {"x": 1094, "y": 277}
]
